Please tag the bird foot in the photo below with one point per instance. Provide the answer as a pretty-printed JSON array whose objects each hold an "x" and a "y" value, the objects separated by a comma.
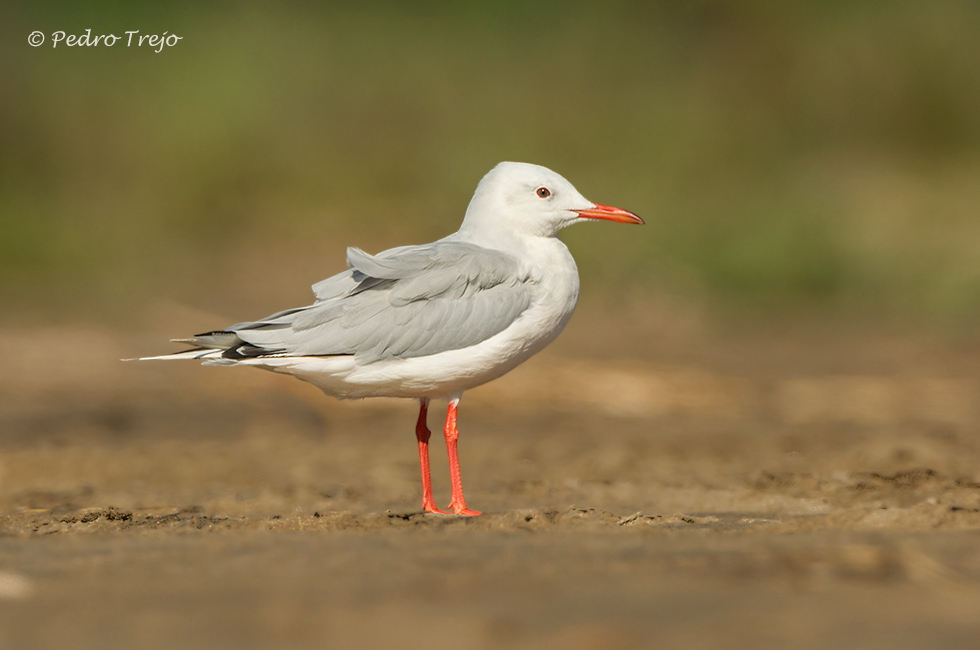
[
  {"x": 461, "y": 509},
  {"x": 431, "y": 507}
]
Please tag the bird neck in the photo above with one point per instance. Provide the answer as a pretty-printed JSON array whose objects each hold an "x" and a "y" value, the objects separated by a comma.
[{"x": 517, "y": 244}]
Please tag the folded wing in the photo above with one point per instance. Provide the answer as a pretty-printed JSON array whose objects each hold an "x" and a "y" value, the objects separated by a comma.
[{"x": 405, "y": 302}]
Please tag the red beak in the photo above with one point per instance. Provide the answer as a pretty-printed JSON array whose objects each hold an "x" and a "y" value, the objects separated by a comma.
[{"x": 610, "y": 213}]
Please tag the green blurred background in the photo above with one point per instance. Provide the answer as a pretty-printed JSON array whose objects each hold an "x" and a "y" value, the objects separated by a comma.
[{"x": 785, "y": 154}]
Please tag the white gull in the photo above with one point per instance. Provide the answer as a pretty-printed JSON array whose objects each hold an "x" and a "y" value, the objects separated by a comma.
[{"x": 433, "y": 320}]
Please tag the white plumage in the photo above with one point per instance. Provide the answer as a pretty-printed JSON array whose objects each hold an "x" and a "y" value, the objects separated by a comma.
[{"x": 434, "y": 320}]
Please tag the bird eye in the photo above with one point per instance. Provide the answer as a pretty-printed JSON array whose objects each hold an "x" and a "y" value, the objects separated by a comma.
[{"x": 543, "y": 192}]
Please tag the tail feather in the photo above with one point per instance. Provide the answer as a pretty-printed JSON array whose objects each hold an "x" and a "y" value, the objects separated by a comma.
[
  {"x": 220, "y": 347},
  {"x": 217, "y": 340},
  {"x": 196, "y": 353}
]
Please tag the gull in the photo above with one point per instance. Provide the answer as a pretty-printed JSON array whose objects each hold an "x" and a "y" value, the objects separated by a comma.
[{"x": 433, "y": 320}]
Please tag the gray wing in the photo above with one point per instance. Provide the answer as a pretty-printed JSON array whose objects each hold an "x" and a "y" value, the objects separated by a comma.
[{"x": 406, "y": 302}]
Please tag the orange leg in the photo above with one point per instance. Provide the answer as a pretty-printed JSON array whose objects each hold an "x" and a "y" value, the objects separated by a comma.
[
  {"x": 422, "y": 433},
  {"x": 458, "y": 504}
]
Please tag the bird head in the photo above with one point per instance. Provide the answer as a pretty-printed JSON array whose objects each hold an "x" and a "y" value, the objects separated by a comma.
[{"x": 530, "y": 200}]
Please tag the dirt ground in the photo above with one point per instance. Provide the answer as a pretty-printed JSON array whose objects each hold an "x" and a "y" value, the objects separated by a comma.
[{"x": 787, "y": 485}]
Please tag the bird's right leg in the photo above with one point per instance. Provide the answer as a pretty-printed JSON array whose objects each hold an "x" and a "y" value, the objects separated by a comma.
[{"x": 422, "y": 433}]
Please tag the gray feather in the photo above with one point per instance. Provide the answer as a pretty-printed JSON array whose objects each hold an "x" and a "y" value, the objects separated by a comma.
[
  {"x": 212, "y": 340},
  {"x": 405, "y": 302}
]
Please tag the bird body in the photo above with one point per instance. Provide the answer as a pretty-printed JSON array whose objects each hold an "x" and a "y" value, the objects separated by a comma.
[
  {"x": 433, "y": 320},
  {"x": 551, "y": 288}
]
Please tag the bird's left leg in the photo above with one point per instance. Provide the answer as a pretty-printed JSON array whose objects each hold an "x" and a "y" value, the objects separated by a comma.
[
  {"x": 422, "y": 433},
  {"x": 458, "y": 504}
]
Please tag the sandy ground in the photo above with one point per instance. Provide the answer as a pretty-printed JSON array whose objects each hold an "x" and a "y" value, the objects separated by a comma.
[{"x": 801, "y": 487}]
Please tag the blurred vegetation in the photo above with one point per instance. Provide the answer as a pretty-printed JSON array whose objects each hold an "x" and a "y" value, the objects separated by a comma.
[{"x": 782, "y": 153}]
